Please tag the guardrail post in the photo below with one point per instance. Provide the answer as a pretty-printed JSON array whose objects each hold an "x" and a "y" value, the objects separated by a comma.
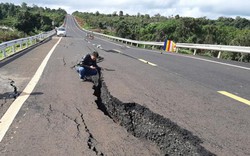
[
  {"x": 195, "y": 51},
  {"x": 137, "y": 45},
  {"x": 177, "y": 49},
  {"x": 4, "y": 53},
  {"x": 21, "y": 46},
  {"x": 144, "y": 46},
  {"x": 241, "y": 58},
  {"x": 26, "y": 44},
  {"x": 219, "y": 55},
  {"x": 153, "y": 47},
  {"x": 13, "y": 49}
]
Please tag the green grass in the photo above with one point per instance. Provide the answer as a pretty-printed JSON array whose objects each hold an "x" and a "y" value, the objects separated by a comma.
[
  {"x": 106, "y": 32},
  {"x": 1, "y": 55},
  {"x": 185, "y": 51},
  {"x": 6, "y": 35},
  {"x": 86, "y": 26}
]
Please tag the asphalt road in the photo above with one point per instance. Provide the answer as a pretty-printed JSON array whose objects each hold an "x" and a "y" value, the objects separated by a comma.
[{"x": 61, "y": 116}]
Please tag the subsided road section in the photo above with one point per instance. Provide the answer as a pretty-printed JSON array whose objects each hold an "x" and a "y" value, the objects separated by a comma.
[
  {"x": 65, "y": 118},
  {"x": 62, "y": 118}
]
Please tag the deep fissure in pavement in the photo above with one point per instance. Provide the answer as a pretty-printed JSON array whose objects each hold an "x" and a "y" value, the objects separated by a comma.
[
  {"x": 145, "y": 124},
  {"x": 9, "y": 95}
]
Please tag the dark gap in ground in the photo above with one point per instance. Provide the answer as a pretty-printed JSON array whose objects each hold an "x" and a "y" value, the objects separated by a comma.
[
  {"x": 145, "y": 124},
  {"x": 99, "y": 102},
  {"x": 97, "y": 92},
  {"x": 9, "y": 95}
]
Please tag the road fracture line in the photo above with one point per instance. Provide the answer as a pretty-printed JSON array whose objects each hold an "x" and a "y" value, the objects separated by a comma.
[
  {"x": 11, "y": 113},
  {"x": 235, "y": 97},
  {"x": 144, "y": 61}
]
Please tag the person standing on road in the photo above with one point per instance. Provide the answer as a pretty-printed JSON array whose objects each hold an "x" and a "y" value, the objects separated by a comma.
[{"x": 88, "y": 67}]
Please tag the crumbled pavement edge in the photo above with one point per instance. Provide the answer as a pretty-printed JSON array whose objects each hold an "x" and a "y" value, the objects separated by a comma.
[{"x": 142, "y": 123}]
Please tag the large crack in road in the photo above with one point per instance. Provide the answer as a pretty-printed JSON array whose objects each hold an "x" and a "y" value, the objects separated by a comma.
[
  {"x": 145, "y": 124},
  {"x": 91, "y": 141}
]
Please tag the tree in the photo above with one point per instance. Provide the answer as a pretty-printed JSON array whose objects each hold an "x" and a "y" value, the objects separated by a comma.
[
  {"x": 122, "y": 29},
  {"x": 11, "y": 10},
  {"x": 121, "y": 13},
  {"x": 1, "y": 15},
  {"x": 147, "y": 16},
  {"x": 241, "y": 23},
  {"x": 114, "y": 13},
  {"x": 46, "y": 23},
  {"x": 157, "y": 16},
  {"x": 97, "y": 13},
  {"x": 24, "y": 6},
  {"x": 138, "y": 14},
  {"x": 25, "y": 22}
]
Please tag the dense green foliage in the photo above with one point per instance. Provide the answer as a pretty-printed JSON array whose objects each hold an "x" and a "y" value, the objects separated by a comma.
[
  {"x": 225, "y": 31},
  {"x": 180, "y": 29},
  {"x": 27, "y": 20}
]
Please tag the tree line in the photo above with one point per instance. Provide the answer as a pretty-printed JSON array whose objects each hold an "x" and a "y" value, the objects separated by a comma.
[
  {"x": 26, "y": 20},
  {"x": 224, "y": 30}
]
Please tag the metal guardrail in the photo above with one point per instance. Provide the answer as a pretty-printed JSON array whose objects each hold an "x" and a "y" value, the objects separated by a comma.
[
  {"x": 137, "y": 43},
  {"x": 127, "y": 41},
  {"x": 9, "y": 48},
  {"x": 220, "y": 48}
]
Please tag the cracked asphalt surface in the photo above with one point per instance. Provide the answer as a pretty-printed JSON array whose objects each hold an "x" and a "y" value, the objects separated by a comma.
[{"x": 63, "y": 117}]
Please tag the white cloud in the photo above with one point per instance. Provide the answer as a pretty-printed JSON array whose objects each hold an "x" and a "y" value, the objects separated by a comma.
[{"x": 193, "y": 8}]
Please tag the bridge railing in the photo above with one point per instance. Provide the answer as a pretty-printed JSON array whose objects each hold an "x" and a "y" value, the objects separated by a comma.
[{"x": 11, "y": 47}]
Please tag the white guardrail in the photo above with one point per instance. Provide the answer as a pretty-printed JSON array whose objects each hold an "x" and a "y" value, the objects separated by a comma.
[
  {"x": 11, "y": 47},
  {"x": 219, "y": 48}
]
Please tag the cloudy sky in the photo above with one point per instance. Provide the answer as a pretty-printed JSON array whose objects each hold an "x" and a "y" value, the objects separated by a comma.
[{"x": 193, "y": 8}]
